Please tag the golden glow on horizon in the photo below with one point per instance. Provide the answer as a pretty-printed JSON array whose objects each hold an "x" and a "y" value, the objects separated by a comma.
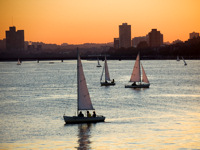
[{"x": 78, "y": 21}]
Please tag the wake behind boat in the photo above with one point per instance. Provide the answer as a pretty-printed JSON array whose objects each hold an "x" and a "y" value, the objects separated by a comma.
[
  {"x": 83, "y": 100},
  {"x": 105, "y": 72},
  {"x": 136, "y": 76}
]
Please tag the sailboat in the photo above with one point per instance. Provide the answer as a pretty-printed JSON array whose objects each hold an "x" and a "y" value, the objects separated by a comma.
[
  {"x": 136, "y": 76},
  {"x": 105, "y": 73},
  {"x": 98, "y": 64},
  {"x": 18, "y": 62},
  {"x": 184, "y": 61},
  {"x": 177, "y": 58},
  {"x": 83, "y": 99}
]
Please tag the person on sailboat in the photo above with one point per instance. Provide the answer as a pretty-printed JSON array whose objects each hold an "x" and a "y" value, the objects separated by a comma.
[
  {"x": 80, "y": 114},
  {"x": 94, "y": 114},
  {"x": 134, "y": 83},
  {"x": 113, "y": 81},
  {"x": 88, "y": 114}
]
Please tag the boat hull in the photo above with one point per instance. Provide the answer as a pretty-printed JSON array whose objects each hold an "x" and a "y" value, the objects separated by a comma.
[
  {"x": 75, "y": 119},
  {"x": 138, "y": 86},
  {"x": 107, "y": 84}
]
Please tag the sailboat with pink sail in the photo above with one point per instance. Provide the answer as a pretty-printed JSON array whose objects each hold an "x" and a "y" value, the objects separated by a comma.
[{"x": 135, "y": 80}]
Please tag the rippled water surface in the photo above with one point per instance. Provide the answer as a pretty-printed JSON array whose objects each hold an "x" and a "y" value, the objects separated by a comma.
[{"x": 34, "y": 97}]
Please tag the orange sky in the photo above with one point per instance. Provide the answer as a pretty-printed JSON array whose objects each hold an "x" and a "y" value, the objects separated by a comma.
[{"x": 97, "y": 21}]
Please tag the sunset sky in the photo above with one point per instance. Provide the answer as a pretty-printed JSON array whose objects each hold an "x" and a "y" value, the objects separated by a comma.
[{"x": 97, "y": 21}]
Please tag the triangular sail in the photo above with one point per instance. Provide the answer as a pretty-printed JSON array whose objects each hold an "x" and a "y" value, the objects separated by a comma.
[
  {"x": 84, "y": 101},
  {"x": 102, "y": 73},
  {"x": 184, "y": 61},
  {"x": 18, "y": 62},
  {"x": 107, "y": 76},
  {"x": 144, "y": 77},
  {"x": 135, "y": 76},
  {"x": 98, "y": 62}
]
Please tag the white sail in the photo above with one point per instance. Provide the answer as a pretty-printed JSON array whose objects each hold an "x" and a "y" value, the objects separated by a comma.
[
  {"x": 107, "y": 76},
  {"x": 184, "y": 61},
  {"x": 135, "y": 76},
  {"x": 102, "y": 73},
  {"x": 178, "y": 58},
  {"x": 84, "y": 101},
  {"x": 98, "y": 62},
  {"x": 144, "y": 77},
  {"x": 18, "y": 62}
]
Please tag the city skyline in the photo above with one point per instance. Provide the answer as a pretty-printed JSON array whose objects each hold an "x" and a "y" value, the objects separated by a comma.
[{"x": 78, "y": 22}]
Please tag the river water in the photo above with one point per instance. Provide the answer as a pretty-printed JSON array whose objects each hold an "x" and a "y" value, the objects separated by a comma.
[{"x": 34, "y": 96}]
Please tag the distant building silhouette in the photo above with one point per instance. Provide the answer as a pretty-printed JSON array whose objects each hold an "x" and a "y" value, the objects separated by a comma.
[
  {"x": 2, "y": 44},
  {"x": 116, "y": 43},
  {"x": 124, "y": 35},
  {"x": 194, "y": 35},
  {"x": 155, "y": 38},
  {"x": 137, "y": 40},
  {"x": 177, "y": 41},
  {"x": 14, "y": 39}
]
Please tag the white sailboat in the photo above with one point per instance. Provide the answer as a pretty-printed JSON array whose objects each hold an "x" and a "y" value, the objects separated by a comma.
[
  {"x": 136, "y": 76},
  {"x": 177, "y": 58},
  {"x": 18, "y": 62},
  {"x": 184, "y": 61},
  {"x": 98, "y": 63},
  {"x": 105, "y": 72},
  {"x": 83, "y": 99}
]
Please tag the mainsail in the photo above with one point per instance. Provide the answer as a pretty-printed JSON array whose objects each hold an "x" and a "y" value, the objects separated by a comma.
[
  {"x": 98, "y": 62},
  {"x": 105, "y": 67},
  {"x": 184, "y": 61},
  {"x": 144, "y": 77},
  {"x": 84, "y": 101},
  {"x": 107, "y": 76},
  {"x": 135, "y": 76}
]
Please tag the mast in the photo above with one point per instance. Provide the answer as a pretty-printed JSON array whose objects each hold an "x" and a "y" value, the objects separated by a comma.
[
  {"x": 139, "y": 67},
  {"x": 77, "y": 79}
]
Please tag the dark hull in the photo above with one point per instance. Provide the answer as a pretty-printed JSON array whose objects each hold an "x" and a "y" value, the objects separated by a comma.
[
  {"x": 138, "y": 86},
  {"x": 107, "y": 84},
  {"x": 75, "y": 119}
]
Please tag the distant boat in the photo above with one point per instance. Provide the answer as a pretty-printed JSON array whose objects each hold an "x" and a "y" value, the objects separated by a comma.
[
  {"x": 105, "y": 72},
  {"x": 177, "y": 59},
  {"x": 184, "y": 61},
  {"x": 18, "y": 62},
  {"x": 83, "y": 99},
  {"x": 98, "y": 64},
  {"x": 136, "y": 76}
]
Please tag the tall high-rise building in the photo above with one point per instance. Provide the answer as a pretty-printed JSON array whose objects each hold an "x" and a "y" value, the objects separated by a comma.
[
  {"x": 155, "y": 38},
  {"x": 194, "y": 35},
  {"x": 124, "y": 35},
  {"x": 14, "y": 39}
]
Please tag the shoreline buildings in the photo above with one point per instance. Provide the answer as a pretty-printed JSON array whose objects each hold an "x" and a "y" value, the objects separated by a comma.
[
  {"x": 124, "y": 35},
  {"x": 15, "y": 39},
  {"x": 194, "y": 35},
  {"x": 154, "y": 38}
]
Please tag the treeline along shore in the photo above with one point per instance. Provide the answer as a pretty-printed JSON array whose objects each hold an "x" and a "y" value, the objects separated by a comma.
[{"x": 189, "y": 50}]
